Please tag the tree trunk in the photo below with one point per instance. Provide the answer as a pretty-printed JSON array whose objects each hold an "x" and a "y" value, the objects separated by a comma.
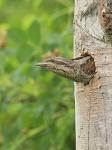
[{"x": 94, "y": 101}]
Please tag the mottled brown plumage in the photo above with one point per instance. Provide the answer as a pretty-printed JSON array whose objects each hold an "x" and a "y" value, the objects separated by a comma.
[{"x": 81, "y": 69}]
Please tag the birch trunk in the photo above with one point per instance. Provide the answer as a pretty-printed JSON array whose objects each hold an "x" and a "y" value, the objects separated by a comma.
[{"x": 93, "y": 101}]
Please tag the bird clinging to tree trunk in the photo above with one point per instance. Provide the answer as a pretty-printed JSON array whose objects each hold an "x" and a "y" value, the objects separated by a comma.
[{"x": 80, "y": 69}]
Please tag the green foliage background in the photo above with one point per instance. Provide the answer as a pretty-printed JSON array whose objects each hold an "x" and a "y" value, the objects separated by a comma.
[{"x": 36, "y": 106}]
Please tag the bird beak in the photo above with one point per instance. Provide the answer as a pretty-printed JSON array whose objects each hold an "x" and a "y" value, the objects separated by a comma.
[{"x": 42, "y": 64}]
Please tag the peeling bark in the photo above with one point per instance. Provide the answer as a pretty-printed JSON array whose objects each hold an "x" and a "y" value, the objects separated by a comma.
[{"x": 105, "y": 16}]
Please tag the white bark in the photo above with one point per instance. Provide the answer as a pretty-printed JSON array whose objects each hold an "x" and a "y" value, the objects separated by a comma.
[{"x": 93, "y": 101}]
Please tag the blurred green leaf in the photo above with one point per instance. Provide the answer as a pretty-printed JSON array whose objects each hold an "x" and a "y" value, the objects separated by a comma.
[{"x": 35, "y": 32}]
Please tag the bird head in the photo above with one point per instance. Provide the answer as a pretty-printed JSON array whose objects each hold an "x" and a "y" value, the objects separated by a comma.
[{"x": 58, "y": 65}]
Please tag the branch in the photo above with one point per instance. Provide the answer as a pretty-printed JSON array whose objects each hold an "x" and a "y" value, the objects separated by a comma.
[{"x": 81, "y": 69}]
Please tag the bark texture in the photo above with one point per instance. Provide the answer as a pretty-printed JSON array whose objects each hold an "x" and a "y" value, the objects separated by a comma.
[{"x": 93, "y": 101}]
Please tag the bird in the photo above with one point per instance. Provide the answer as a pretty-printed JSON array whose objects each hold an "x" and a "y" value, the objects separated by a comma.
[{"x": 80, "y": 69}]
